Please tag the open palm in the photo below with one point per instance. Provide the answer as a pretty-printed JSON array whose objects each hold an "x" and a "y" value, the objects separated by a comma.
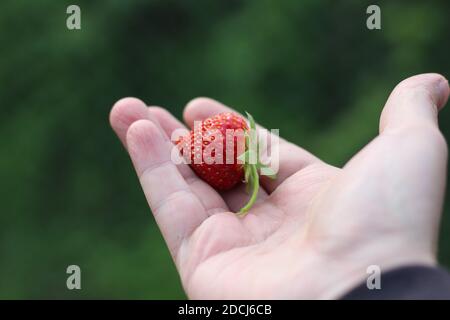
[{"x": 316, "y": 228}]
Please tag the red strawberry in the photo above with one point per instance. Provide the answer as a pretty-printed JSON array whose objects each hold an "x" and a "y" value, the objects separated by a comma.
[{"x": 213, "y": 147}]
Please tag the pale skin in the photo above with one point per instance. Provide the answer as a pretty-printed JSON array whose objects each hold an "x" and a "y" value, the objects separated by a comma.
[{"x": 316, "y": 228}]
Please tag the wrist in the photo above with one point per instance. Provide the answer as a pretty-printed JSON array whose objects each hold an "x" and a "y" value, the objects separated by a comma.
[{"x": 332, "y": 276}]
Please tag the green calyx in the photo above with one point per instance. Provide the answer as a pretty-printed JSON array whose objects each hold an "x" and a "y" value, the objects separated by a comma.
[{"x": 252, "y": 165}]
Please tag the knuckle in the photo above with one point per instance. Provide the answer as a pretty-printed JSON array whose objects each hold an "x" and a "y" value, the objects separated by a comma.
[{"x": 413, "y": 91}]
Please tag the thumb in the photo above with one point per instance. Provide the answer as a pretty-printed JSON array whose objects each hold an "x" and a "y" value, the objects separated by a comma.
[{"x": 415, "y": 102}]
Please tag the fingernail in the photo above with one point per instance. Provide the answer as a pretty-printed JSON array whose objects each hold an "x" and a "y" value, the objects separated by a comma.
[{"x": 443, "y": 90}]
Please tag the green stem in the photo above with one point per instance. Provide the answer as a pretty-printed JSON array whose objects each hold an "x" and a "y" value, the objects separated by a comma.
[{"x": 255, "y": 187}]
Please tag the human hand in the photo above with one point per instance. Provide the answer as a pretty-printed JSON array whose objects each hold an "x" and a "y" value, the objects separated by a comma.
[{"x": 316, "y": 228}]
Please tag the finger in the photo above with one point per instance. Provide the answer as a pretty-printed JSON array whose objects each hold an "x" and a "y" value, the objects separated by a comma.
[
  {"x": 415, "y": 102},
  {"x": 291, "y": 158},
  {"x": 209, "y": 197},
  {"x": 124, "y": 113},
  {"x": 408, "y": 159},
  {"x": 177, "y": 210},
  {"x": 165, "y": 119},
  {"x": 261, "y": 221},
  {"x": 232, "y": 200},
  {"x": 408, "y": 125},
  {"x": 128, "y": 110}
]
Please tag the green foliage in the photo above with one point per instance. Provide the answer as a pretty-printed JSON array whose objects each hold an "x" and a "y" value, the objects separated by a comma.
[{"x": 69, "y": 193}]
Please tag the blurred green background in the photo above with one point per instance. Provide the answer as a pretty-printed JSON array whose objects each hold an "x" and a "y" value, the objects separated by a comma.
[{"x": 69, "y": 193}]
